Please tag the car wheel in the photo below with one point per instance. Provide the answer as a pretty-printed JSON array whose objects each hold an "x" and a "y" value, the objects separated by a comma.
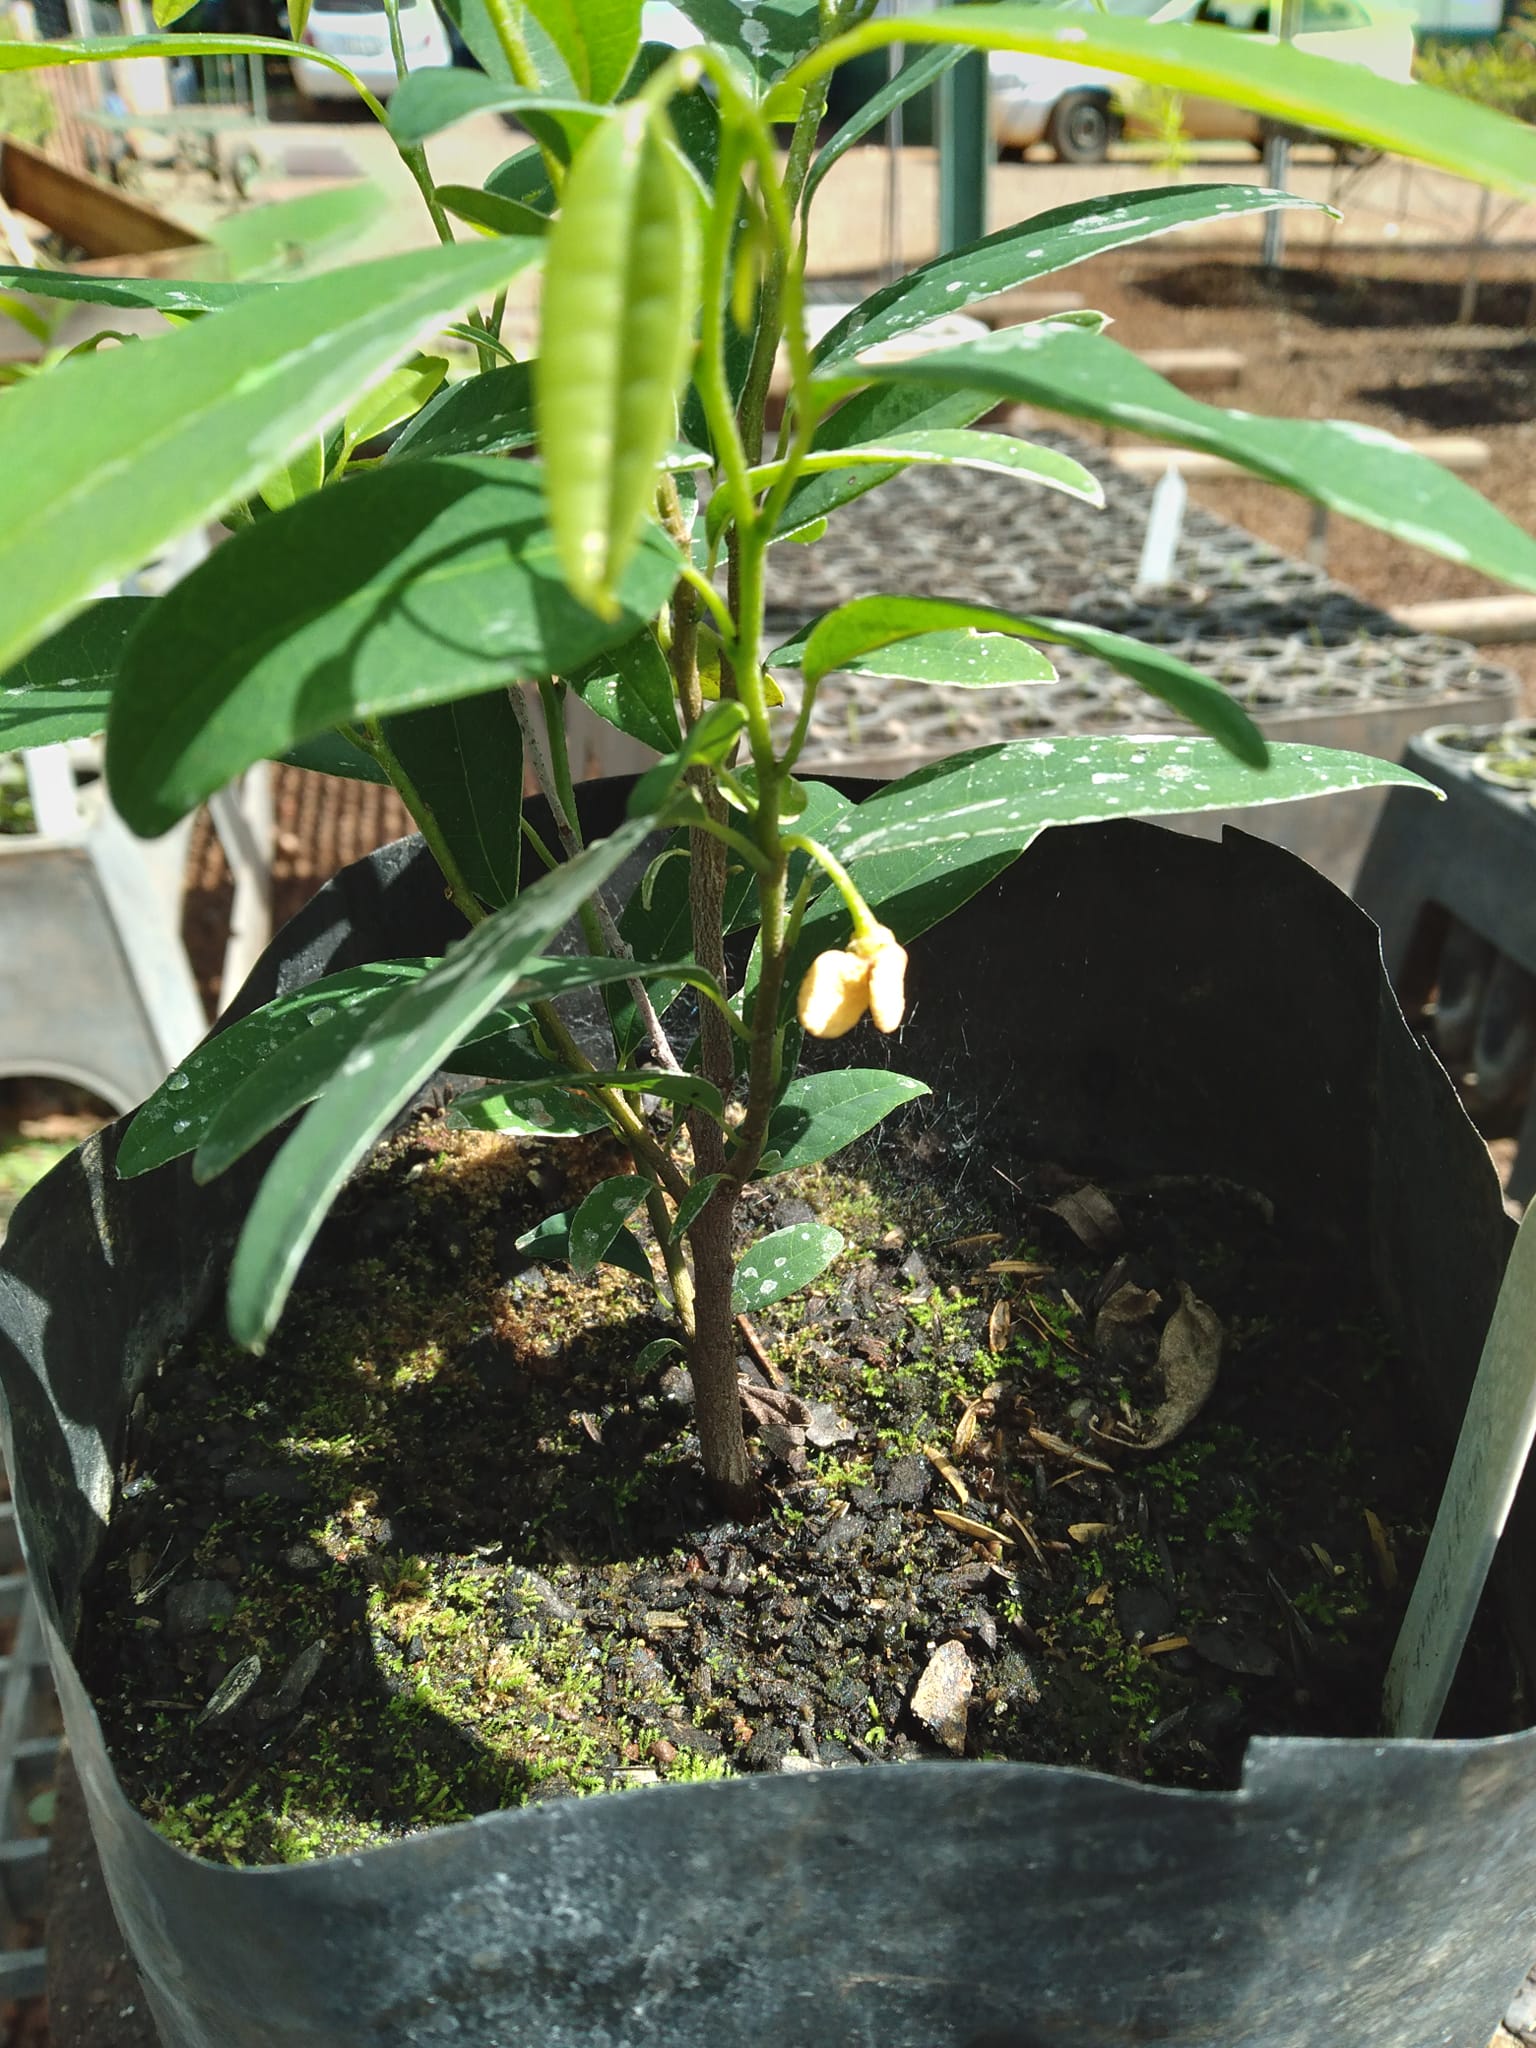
[{"x": 1080, "y": 128}]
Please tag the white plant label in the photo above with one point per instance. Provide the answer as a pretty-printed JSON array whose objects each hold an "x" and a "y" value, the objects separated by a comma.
[{"x": 1491, "y": 1452}]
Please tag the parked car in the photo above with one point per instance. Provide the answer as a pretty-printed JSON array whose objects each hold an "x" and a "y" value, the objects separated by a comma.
[
  {"x": 357, "y": 31},
  {"x": 1079, "y": 109}
]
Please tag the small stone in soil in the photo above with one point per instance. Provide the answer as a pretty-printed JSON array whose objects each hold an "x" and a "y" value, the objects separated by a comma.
[
  {"x": 942, "y": 1696},
  {"x": 195, "y": 1608}
]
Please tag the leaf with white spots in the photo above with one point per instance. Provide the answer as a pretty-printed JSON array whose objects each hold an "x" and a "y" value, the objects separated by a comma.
[
  {"x": 1004, "y": 794},
  {"x": 601, "y": 1217},
  {"x": 819, "y": 1114},
  {"x": 782, "y": 1262},
  {"x": 551, "y": 1239}
]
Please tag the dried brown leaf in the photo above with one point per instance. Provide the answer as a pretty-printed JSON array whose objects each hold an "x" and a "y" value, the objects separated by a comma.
[
  {"x": 1097, "y": 1597},
  {"x": 999, "y": 1323},
  {"x": 1060, "y": 1449},
  {"x": 947, "y": 1473},
  {"x": 1090, "y": 1215},
  {"x": 1189, "y": 1359},
  {"x": 1381, "y": 1550},
  {"x": 1087, "y": 1532},
  {"x": 979, "y": 1532},
  {"x": 774, "y": 1404},
  {"x": 1163, "y": 1645}
]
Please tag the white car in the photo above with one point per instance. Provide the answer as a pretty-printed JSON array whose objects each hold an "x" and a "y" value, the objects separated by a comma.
[
  {"x": 357, "y": 31},
  {"x": 1078, "y": 109}
]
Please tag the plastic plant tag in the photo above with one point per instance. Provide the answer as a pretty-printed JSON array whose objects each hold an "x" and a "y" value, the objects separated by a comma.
[{"x": 1496, "y": 1437}]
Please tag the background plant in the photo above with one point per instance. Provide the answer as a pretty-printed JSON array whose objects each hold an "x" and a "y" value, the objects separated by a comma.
[
  {"x": 396, "y": 616},
  {"x": 1497, "y": 71}
]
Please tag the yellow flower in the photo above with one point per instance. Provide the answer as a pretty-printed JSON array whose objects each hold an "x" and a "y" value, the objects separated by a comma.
[{"x": 840, "y": 986}]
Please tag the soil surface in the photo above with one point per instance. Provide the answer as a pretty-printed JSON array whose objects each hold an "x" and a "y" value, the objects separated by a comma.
[
  {"x": 1113, "y": 1477},
  {"x": 1355, "y": 334}
]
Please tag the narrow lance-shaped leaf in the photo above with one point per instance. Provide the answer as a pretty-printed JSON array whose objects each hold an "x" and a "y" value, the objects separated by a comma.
[
  {"x": 526, "y": 1110},
  {"x": 819, "y": 1114},
  {"x": 710, "y": 740},
  {"x": 114, "y": 49},
  {"x": 601, "y": 1216},
  {"x": 781, "y": 1262},
  {"x": 963, "y": 658},
  {"x": 154, "y": 438},
  {"x": 551, "y": 1240},
  {"x": 1037, "y": 247},
  {"x": 406, "y": 585},
  {"x": 463, "y": 762},
  {"x": 401, "y": 1050},
  {"x": 914, "y": 75},
  {"x": 1353, "y": 469},
  {"x": 484, "y": 415},
  {"x": 158, "y": 294},
  {"x": 1011, "y": 791},
  {"x": 868, "y": 418},
  {"x": 1255, "y": 71},
  {"x": 870, "y": 623},
  {"x": 632, "y": 689},
  {"x": 428, "y": 101},
  {"x": 491, "y": 212},
  {"x": 618, "y": 308},
  {"x": 62, "y": 690},
  {"x": 944, "y": 447}
]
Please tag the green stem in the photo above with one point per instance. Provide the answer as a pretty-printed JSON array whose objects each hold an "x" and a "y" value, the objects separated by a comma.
[{"x": 864, "y": 920}]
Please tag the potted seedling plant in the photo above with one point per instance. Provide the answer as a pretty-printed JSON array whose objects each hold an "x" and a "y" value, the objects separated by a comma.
[{"x": 420, "y": 573}]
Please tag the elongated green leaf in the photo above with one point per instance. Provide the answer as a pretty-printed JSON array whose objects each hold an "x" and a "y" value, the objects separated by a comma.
[
  {"x": 400, "y": 397},
  {"x": 275, "y": 239},
  {"x": 114, "y": 454},
  {"x": 709, "y": 741},
  {"x": 1034, "y": 248},
  {"x": 600, "y": 1217},
  {"x": 965, "y": 448},
  {"x": 182, "y": 1110},
  {"x": 978, "y": 661},
  {"x": 781, "y": 1262},
  {"x": 157, "y": 294},
  {"x": 401, "y": 1049},
  {"x": 948, "y": 447},
  {"x": 112, "y": 49},
  {"x": 406, "y": 585},
  {"x": 868, "y": 418},
  {"x": 1353, "y": 469},
  {"x": 527, "y": 1112},
  {"x": 62, "y": 689},
  {"x": 819, "y": 1114},
  {"x": 524, "y": 178},
  {"x": 485, "y": 415},
  {"x": 691, "y": 1207},
  {"x": 491, "y": 211},
  {"x": 298, "y": 18},
  {"x": 332, "y": 753},
  {"x": 597, "y": 38},
  {"x": 914, "y": 75},
  {"x": 551, "y": 1240},
  {"x": 1255, "y": 71},
  {"x": 167, "y": 11},
  {"x": 631, "y": 688},
  {"x": 869, "y": 623},
  {"x": 428, "y": 101},
  {"x": 767, "y": 40},
  {"x": 618, "y": 309},
  {"x": 1015, "y": 789},
  {"x": 464, "y": 762}
]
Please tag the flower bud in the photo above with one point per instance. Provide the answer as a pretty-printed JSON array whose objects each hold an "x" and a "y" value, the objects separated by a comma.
[
  {"x": 834, "y": 994},
  {"x": 887, "y": 976}
]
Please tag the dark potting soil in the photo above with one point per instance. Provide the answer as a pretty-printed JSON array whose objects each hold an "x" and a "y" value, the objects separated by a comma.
[{"x": 446, "y": 1548}]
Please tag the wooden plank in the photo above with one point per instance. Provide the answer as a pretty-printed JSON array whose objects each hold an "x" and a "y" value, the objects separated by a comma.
[
  {"x": 94, "y": 216},
  {"x": 1197, "y": 369},
  {"x": 1458, "y": 452},
  {"x": 1485, "y": 621}
]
